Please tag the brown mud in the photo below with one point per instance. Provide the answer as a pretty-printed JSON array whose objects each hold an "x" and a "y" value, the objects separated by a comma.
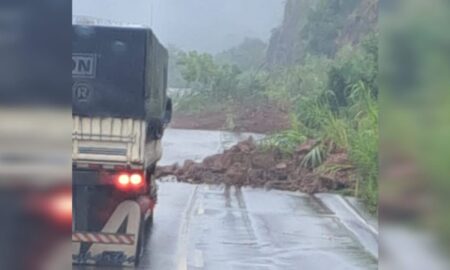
[
  {"x": 246, "y": 164},
  {"x": 264, "y": 119}
]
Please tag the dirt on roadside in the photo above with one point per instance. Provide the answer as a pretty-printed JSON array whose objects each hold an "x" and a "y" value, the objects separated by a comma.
[
  {"x": 264, "y": 119},
  {"x": 246, "y": 164}
]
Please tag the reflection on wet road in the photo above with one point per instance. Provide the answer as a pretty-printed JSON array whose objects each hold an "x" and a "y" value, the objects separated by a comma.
[
  {"x": 208, "y": 227},
  {"x": 205, "y": 227}
]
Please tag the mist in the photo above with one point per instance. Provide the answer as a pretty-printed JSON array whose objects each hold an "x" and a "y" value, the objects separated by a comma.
[{"x": 203, "y": 25}]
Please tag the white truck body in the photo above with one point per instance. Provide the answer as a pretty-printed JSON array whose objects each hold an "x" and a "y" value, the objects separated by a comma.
[
  {"x": 119, "y": 111},
  {"x": 112, "y": 141}
]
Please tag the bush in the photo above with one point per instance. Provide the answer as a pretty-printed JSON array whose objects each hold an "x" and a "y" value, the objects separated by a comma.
[
  {"x": 335, "y": 102},
  {"x": 286, "y": 141}
]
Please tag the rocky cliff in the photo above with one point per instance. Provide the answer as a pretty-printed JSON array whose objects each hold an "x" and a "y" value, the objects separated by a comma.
[{"x": 320, "y": 27}]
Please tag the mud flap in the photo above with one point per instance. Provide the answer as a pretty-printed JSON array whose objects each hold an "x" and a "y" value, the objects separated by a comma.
[{"x": 109, "y": 247}]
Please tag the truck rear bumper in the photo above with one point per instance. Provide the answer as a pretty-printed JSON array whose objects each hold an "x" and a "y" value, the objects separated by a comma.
[
  {"x": 107, "y": 227},
  {"x": 116, "y": 244}
]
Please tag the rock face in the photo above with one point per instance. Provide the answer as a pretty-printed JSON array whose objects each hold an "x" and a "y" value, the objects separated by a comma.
[
  {"x": 319, "y": 28},
  {"x": 245, "y": 164},
  {"x": 362, "y": 20},
  {"x": 285, "y": 46}
]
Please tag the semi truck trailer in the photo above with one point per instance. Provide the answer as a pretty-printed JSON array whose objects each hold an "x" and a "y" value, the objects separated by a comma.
[{"x": 120, "y": 110}]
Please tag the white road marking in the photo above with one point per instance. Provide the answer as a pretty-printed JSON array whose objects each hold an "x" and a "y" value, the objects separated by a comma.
[
  {"x": 358, "y": 216},
  {"x": 184, "y": 233}
]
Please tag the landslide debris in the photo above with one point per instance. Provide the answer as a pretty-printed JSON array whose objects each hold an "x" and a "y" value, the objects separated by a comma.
[
  {"x": 260, "y": 118},
  {"x": 246, "y": 164}
]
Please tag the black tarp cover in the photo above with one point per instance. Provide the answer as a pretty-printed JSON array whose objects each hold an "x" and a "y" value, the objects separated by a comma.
[{"x": 109, "y": 71}]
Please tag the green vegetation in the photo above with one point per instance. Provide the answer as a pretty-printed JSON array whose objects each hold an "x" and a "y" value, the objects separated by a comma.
[
  {"x": 324, "y": 25},
  {"x": 285, "y": 141},
  {"x": 216, "y": 82},
  {"x": 249, "y": 55},
  {"x": 415, "y": 121},
  {"x": 334, "y": 102},
  {"x": 327, "y": 76},
  {"x": 331, "y": 92}
]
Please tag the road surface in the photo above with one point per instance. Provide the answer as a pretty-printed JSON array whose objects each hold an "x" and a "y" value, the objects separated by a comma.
[{"x": 206, "y": 227}]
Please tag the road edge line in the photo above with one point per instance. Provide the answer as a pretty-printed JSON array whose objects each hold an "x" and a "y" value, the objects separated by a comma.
[
  {"x": 362, "y": 220},
  {"x": 184, "y": 231}
]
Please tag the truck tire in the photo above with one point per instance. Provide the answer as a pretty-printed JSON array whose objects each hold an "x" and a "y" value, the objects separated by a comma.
[
  {"x": 155, "y": 129},
  {"x": 167, "y": 113},
  {"x": 149, "y": 224}
]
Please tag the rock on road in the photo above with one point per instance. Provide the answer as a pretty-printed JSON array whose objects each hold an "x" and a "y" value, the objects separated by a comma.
[{"x": 207, "y": 227}]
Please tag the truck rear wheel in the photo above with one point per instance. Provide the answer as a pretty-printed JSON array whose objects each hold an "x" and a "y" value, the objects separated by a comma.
[{"x": 149, "y": 224}]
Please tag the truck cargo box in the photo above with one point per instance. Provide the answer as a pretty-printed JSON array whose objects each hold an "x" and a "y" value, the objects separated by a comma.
[{"x": 118, "y": 72}]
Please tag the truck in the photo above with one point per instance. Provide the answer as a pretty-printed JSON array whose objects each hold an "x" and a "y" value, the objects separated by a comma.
[{"x": 120, "y": 110}]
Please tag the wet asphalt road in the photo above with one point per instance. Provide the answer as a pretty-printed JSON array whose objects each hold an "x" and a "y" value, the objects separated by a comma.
[{"x": 207, "y": 227}]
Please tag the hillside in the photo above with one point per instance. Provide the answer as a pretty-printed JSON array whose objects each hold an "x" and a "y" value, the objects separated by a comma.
[{"x": 319, "y": 27}]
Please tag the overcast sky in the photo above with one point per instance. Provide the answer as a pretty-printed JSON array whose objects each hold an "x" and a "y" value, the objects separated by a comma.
[{"x": 204, "y": 25}]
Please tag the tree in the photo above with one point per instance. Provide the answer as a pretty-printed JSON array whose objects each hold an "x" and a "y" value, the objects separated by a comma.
[
  {"x": 250, "y": 54},
  {"x": 207, "y": 77}
]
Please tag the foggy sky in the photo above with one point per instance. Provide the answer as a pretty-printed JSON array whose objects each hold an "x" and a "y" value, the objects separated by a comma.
[{"x": 204, "y": 25}]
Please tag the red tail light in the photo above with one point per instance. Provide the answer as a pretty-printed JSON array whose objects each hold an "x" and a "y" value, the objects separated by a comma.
[
  {"x": 136, "y": 179},
  {"x": 123, "y": 180},
  {"x": 127, "y": 181}
]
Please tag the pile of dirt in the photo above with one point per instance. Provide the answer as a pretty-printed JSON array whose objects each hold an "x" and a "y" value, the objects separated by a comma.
[
  {"x": 262, "y": 118},
  {"x": 246, "y": 164}
]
